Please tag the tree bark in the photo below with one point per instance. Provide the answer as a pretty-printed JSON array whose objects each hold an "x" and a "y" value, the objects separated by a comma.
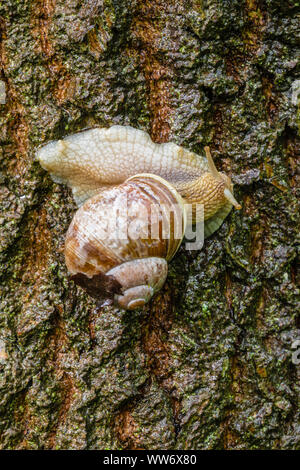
[{"x": 208, "y": 364}]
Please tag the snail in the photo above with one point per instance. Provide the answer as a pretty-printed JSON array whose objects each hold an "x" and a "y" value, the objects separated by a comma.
[{"x": 108, "y": 169}]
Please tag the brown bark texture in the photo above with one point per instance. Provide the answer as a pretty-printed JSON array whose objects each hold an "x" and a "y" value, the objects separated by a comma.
[{"x": 209, "y": 363}]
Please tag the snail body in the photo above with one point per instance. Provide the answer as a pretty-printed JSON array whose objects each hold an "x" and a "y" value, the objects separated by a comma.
[{"x": 110, "y": 168}]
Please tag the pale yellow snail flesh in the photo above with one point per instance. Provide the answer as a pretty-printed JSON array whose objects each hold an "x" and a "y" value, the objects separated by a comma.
[{"x": 96, "y": 164}]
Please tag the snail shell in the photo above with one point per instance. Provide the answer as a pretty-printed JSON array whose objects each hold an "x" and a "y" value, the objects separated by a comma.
[{"x": 110, "y": 247}]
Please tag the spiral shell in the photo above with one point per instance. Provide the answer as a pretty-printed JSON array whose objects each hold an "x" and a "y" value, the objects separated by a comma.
[{"x": 115, "y": 228}]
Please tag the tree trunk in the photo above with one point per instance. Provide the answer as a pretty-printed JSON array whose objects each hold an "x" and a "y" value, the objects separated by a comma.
[{"x": 209, "y": 363}]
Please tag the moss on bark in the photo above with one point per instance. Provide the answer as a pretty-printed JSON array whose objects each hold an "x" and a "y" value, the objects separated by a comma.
[{"x": 208, "y": 364}]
